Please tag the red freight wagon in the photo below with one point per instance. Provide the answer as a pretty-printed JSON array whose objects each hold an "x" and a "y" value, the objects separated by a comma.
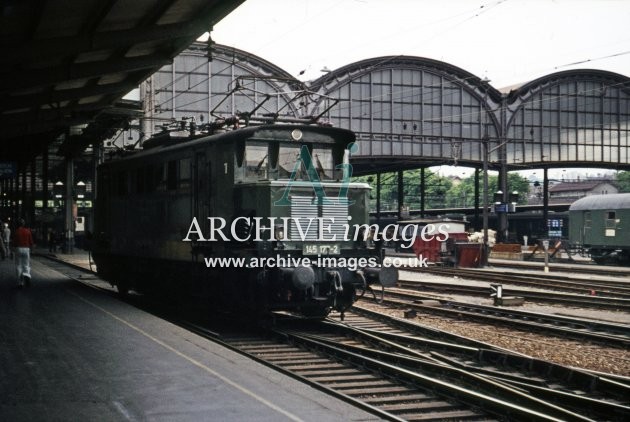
[{"x": 432, "y": 239}]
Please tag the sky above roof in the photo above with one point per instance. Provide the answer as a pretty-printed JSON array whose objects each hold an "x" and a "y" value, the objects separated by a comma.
[{"x": 507, "y": 41}]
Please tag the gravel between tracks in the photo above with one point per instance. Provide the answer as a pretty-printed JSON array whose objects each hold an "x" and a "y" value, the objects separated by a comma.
[
  {"x": 562, "y": 351},
  {"x": 553, "y": 349}
]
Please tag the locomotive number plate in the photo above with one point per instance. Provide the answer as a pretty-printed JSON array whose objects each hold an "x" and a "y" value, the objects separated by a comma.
[{"x": 319, "y": 249}]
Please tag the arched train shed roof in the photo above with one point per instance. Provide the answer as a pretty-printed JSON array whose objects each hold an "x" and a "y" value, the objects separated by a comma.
[
  {"x": 411, "y": 112},
  {"x": 356, "y": 69},
  {"x": 576, "y": 118},
  {"x": 243, "y": 57},
  {"x": 595, "y": 75},
  {"x": 218, "y": 82}
]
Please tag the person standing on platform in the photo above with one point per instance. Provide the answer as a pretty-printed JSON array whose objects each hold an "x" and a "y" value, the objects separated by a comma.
[
  {"x": 50, "y": 239},
  {"x": 3, "y": 249},
  {"x": 5, "y": 236},
  {"x": 23, "y": 242}
]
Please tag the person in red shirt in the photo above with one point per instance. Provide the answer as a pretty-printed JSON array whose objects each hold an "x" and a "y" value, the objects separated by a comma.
[{"x": 22, "y": 244}]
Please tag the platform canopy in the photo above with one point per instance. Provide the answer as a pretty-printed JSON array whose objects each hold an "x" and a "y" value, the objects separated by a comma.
[{"x": 65, "y": 63}]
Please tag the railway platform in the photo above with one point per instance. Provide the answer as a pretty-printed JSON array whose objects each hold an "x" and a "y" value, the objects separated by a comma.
[{"x": 72, "y": 353}]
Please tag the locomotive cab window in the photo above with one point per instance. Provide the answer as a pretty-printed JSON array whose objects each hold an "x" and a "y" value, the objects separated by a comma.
[
  {"x": 288, "y": 155},
  {"x": 185, "y": 174},
  {"x": 256, "y": 161},
  {"x": 323, "y": 162},
  {"x": 160, "y": 177}
]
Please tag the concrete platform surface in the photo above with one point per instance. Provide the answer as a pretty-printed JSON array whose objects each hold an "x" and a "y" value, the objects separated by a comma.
[{"x": 69, "y": 353}]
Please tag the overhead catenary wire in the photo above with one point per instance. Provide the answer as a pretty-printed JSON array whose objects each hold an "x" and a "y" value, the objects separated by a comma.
[
  {"x": 484, "y": 8},
  {"x": 419, "y": 18},
  {"x": 411, "y": 90},
  {"x": 429, "y": 101},
  {"x": 623, "y": 53},
  {"x": 477, "y": 11}
]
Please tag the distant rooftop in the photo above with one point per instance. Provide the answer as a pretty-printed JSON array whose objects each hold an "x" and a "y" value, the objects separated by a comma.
[{"x": 578, "y": 186}]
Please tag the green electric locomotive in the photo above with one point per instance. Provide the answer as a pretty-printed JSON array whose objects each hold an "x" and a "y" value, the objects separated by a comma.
[{"x": 262, "y": 217}]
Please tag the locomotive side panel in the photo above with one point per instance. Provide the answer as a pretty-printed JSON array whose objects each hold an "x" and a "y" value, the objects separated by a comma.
[
  {"x": 222, "y": 160},
  {"x": 143, "y": 209},
  {"x": 148, "y": 217}
]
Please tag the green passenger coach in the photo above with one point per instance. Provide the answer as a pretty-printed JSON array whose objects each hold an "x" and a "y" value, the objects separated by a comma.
[{"x": 600, "y": 224}]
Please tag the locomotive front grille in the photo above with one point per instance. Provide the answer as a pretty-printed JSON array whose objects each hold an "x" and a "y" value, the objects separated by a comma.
[
  {"x": 305, "y": 207},
  {"x": 340, "y": 213},
  {"x": 302, "y": 207}
]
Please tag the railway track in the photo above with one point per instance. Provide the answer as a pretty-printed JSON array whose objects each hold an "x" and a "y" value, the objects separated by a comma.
[
  {"x": 575, "y": 268},
  {"x": 350, "y": 377},
  {"x": 401, "y": 375},
  {"x": 571, "y": 299},
  {"x": 417, "y": 373},
  {"x": 609, "y": 288},
  {"x": 484, "y": 353},
  {"x": 575, "y": 328},
  {"x": 578, "y": 268},
  {"x": 384, "y": 322},
  {"x": 610, "y": 334}
]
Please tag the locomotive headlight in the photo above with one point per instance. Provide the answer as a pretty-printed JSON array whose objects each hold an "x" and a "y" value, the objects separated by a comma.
[{"x": 279, "y": 233}]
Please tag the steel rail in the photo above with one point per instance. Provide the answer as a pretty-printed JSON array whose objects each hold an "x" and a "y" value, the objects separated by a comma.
[
  {"x": 399, "y": 353},
  {"x": 415, "y": 335},
  {"x": 586, "y": 268},
  {"x": 507, "y": 402},
  {"x": 533, "y": 322},
  {"x": 511, "y": 388},
  {"x": 537, "y": 296},
  {"x": 614, "y": 288},
  {"x": 220, "y": 339}
]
